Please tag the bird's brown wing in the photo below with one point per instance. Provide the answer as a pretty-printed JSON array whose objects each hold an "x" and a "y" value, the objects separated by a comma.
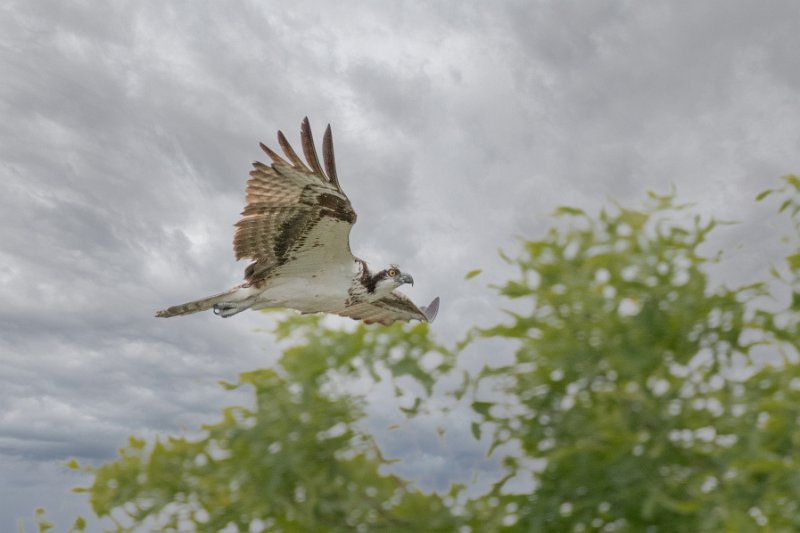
[
  {"x": 396, "y": 306},
  {"x": 296, "y": 212}
]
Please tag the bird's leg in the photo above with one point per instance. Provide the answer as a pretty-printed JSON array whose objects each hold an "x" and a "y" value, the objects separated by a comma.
[{"x": 226, "y": 309}]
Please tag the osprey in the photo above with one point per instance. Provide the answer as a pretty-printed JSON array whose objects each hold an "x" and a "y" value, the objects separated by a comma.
[{"x": 296, "y": 229}]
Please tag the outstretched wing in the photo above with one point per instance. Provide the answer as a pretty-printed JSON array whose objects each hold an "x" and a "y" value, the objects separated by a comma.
[
  {"x": 396, "y": 306},
  {"x": 297, "y": 217}
]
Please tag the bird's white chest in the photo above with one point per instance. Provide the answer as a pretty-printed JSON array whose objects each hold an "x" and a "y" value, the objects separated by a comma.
[{"x": 324, "y": 291}]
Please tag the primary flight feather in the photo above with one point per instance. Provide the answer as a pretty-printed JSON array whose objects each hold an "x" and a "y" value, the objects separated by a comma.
[{"x": 295, "y": 228}]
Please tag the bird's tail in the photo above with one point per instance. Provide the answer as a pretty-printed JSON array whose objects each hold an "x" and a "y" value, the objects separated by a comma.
[{"x": 197, "y": 305}]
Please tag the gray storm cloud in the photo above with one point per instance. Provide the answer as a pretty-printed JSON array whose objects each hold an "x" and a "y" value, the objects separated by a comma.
[{"x": 129, "y": 128}]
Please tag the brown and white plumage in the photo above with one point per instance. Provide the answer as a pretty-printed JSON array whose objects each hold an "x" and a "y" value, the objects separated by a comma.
[
  {"x": 395, "y": 306},
  {"x": 295, "y": 228}
]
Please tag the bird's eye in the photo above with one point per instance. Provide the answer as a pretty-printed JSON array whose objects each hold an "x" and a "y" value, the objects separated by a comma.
[{"x": 392, "y": 272}]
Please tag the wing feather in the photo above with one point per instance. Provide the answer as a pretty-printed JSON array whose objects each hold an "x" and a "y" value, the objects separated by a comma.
[
  {"x": 328, "y": 157},
  {"x": 286, "y": 201},
  {"x": 290, "y": 153},
  {"x": 396, "y": 306},
  {"x": 308, "y": 148},
  {"x": 272, "y": 155},
  {"x": 267, "y": 187},
  {"x": 266, "y": 233}
]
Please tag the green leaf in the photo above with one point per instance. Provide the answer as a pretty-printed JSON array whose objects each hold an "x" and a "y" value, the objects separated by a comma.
[
  {"x": 414, "y": 409},
  {"x": 635, "y": 219},
  {"x": 764, "y": 194},
  {"x": 472, "y": 273},
  {"x": 568, "y": 211},
  {"x": 136, "y": 444},
  {"x": 41, "y": 523},
  {"x": 227, "y": 385},
  {"x": 514, "y": 289},
  {"x": 794, "y": 261},
  {"x": 79, "y": 524},
  {"x": 482, "y": 408},
  {"x": 793, "y": 180},
  {"x": 475, "y": 427}
]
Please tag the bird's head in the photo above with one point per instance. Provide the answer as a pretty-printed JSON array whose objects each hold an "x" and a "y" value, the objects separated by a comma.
[{"x": 389, "y": 279}]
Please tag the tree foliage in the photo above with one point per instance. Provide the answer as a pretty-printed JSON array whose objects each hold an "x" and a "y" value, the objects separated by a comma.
[
  {"x": 295, "y": 460},
  {"x": 639, "y": 388},
  {"x": 640, "y": 397}
]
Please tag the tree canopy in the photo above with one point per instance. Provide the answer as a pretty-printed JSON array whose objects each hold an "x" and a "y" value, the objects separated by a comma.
[{"x": 640, "y": 397}]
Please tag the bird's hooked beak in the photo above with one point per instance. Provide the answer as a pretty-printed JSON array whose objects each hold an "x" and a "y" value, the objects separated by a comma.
[{"x": 406, "y": 278}]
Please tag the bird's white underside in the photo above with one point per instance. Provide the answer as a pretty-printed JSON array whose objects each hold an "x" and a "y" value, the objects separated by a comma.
[
  {"x": 324, "y": 291},
  {"x": 319, "y": 280}
]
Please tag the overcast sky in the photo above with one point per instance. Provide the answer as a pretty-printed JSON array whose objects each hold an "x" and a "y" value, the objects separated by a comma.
[{"x": 128, "y": 129}]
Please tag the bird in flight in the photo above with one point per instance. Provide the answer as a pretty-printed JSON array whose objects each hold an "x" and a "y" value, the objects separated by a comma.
[{"x": 295, "y": 228}]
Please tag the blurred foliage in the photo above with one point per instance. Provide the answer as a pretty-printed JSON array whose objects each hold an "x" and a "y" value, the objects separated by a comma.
[
  {"x": 640, "y": 397},
  {"x": 294, "y": 461}
]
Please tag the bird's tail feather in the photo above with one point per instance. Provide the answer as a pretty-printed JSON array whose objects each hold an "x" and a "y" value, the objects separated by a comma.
[{"x": 195, "y": 306}]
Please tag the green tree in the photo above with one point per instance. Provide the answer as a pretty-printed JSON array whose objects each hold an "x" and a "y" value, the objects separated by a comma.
[
  {"x": 640, "y": 397},
  {"x": 295, "y": 460}
]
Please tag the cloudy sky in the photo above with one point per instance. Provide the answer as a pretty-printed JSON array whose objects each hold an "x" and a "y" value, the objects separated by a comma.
[{"x": 128, "y": 129}]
